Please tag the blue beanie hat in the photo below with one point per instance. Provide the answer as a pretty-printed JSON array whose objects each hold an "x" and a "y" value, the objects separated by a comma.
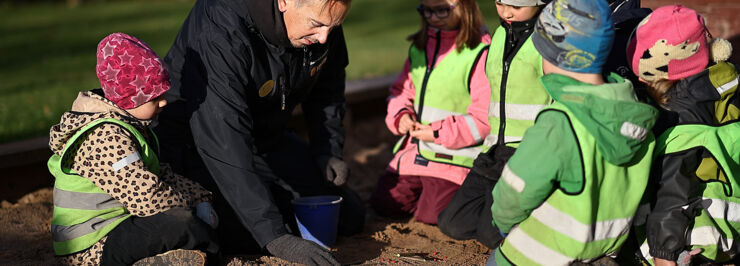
[{"x": 575, "y": 35}]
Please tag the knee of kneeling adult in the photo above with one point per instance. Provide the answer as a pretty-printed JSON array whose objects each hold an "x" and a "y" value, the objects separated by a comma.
[
  {"x": 351, "y": 225},
  {"x": 449, "y": 229}
]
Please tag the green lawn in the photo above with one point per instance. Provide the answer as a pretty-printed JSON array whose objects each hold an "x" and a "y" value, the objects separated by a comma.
[{"x": 47, "y": 51}]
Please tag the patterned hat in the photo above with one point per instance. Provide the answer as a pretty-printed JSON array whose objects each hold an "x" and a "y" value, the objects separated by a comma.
[
  {"x": 129, "y": 71},
  {"x": 523, "y": 2},
  {"x": 575, "y": 35},
  {"x": 671, "y": 44}
]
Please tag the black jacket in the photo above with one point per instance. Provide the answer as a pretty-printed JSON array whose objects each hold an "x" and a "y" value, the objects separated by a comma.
[
  {"x": 679, "y": 189},
  {"x": 235, "y": 82},
  {"x": 626, "y": 14}
]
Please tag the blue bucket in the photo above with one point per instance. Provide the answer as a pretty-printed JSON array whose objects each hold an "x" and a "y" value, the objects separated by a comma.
[{"x": 317, "y": 218}]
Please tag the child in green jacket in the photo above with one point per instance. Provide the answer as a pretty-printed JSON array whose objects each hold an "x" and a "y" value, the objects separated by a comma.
[{"x": 570, "y": 191}]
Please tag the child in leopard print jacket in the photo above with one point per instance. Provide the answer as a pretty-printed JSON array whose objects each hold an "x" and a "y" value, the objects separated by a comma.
[{"x": 113, "y": 202}]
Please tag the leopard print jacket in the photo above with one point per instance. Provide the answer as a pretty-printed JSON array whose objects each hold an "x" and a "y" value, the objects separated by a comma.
[{"x": 142, "y": 192}]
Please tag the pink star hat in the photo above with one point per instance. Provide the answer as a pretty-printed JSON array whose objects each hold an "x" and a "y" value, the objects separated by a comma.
[{"x": 129, "y": 71}]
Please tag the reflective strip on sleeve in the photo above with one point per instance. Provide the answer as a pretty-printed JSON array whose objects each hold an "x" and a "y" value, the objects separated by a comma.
[
  {"x": 473, "y": 128},
  {"x": 514, "y": 181},
  {"x": 633, "y": 131},
  {"x": 515, "y": 111},
  {"x": 727, "y": 86},
  {"x": 126, "y": 161}
]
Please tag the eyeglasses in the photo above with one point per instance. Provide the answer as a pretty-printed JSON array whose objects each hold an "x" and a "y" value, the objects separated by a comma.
[{"x": 440, "y": 12}]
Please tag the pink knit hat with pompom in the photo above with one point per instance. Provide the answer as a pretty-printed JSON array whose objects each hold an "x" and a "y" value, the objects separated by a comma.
[{"x": 671, "y": 43}]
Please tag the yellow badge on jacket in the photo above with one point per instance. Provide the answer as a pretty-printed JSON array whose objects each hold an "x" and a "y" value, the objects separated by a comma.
[{"x": 266, "y": 88}]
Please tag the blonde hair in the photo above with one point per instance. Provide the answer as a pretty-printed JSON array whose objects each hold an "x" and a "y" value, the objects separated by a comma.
[
  {"x": 658, "y": 89},
  {"x": 470, "y": 27}
]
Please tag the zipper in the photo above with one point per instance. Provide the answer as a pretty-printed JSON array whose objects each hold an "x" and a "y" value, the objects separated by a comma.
[
  {"x": 282, "y": 93},
  {"x": 502, "y": 104},
  {"x": 305, "y": 59},
  {"x": 427, "y": 74},
  {"x": 504, "y": 77}
]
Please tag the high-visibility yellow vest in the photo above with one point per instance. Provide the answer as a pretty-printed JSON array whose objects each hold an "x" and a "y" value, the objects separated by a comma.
[
  {"x": 84, "y": 213},
  {"x": 516, "y": 89}
]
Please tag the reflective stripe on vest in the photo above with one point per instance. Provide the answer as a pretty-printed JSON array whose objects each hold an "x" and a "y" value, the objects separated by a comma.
[
  {"x": 446, "y": 93},
  {"x": 61, "y": 233},
  {"x": 524, "y": 95},
  {"x": 84, "y": 213},
  {"x": 583, "y": 226},
  {"x": 516, "y": 111},
  {"x": 435, "y": 114},
  {"x": 715, "y": 228}
]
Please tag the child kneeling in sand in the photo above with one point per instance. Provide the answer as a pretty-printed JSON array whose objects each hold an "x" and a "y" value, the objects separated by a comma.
[
  {"x": 571, "y": 189},
  {"x": 113, "y": 202}
]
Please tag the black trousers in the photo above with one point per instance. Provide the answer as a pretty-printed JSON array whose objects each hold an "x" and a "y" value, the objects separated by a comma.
[
  {"x": 468, "y": 216},
  {"x": 290, "y": 162},
  {"x": 140, "y": 237}
]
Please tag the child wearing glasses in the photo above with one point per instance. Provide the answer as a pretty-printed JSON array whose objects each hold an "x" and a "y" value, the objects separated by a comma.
[
  {"x": 439, "y": 104},
  {"x": 696, "y": 206},
  {"x": 514, "y": 68}
]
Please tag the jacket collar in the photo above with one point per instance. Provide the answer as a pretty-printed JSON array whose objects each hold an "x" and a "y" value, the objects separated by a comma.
[
  {"x": 268, "y": 20},
  {"x": 520, "y": 26}
]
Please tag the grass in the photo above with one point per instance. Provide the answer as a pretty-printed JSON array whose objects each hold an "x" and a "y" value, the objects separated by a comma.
[{"x": 48, "y": 50}]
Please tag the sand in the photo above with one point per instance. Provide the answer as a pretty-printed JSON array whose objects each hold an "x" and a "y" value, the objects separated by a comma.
[{"x": 25, "y": 238}]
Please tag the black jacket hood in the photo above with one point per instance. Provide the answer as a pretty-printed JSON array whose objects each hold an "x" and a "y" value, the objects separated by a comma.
[{"x": 267, "y": 18}]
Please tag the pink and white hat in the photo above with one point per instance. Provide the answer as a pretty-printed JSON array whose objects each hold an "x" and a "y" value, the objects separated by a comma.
[
  {"x": 671, "y": 43},
  {"x": 129, "y": 71}
]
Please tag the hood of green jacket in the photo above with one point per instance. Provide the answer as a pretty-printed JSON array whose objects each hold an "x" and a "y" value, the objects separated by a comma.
[{"x": 610, "y": 112}]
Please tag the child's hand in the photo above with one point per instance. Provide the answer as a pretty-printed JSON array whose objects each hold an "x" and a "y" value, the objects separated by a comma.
[
  {"x": 423, "y": 132},
  {"x": 406, "y": 124},
  {"x": 205, "y": 212},
  {"x": 684, "y": 259}
]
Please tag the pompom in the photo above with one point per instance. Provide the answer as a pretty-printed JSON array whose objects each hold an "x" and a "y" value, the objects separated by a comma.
[{"x": 720, "y": 49}]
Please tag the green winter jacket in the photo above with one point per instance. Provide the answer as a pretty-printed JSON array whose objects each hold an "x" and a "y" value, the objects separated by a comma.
[{"x": 593, "y": 137}]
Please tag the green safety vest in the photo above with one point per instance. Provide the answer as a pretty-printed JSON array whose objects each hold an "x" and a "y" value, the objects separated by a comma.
[
  {"x": 586, "y": 225},
  {"x": 444, "y": 91},
  {"x": 715, "y": 228},
  {"x": 524, "y": 95},
  {"x": 84, "y": 213}
]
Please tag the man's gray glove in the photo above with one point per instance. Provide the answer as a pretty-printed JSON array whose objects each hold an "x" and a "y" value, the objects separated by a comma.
[
  {"x": 335, "y": 170},
  {"x": 296, "y": 249}
]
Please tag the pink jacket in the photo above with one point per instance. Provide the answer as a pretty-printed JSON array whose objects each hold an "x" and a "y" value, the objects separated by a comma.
[{"x": 453, "y": 131}]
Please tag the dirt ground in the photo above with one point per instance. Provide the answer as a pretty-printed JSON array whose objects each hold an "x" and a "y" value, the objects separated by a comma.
[{"x": 25, "y": 237}]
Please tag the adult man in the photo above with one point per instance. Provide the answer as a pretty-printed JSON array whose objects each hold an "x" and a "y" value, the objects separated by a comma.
[{"x": 238, "y": 69}]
